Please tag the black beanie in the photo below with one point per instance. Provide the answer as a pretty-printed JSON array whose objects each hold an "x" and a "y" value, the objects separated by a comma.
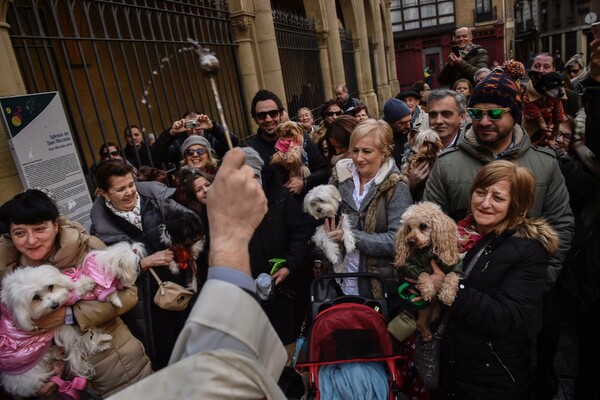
[{"x": 501, "y": 87}]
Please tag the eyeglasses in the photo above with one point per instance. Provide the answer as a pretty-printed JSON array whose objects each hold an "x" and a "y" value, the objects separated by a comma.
[
  {"x": 262, "y": 115},
  {"x": 492, "y": 113},
  {"x": 113, "y": 153},
  {"x": 565, "y": 135},
  {"x": 191, "y": 152},
  {"x": 574, "y": 71},
  {"x": 332, "y": 113}
]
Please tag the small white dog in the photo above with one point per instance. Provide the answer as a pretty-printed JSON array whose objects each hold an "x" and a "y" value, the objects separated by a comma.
[
  {"x": 28, "y": 294},
  {"x": 104, "y": 271},
  {"x": 323, "y": 201}
]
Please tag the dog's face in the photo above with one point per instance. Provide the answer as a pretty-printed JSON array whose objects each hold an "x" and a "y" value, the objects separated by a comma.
[
  {"x": 418, "y": 223},
  {"x": 427, "y": 143},
  {"x": 183, "y": 229},
  {"x": 549, "y": 84},
  {"x": 30, "y": 293},
  {"x": 418, "y": 232},
  {"x": 290, "y": 130},
  {"x": 322, "y": 201}
]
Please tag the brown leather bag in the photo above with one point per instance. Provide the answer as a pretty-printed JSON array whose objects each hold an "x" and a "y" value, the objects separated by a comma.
[{"x": 170, "y": 295}]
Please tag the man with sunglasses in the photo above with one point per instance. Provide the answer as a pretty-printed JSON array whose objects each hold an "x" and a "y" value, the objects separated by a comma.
[
  {"x": 267, "y": 111},
  {"x": 495, "y": 107}
]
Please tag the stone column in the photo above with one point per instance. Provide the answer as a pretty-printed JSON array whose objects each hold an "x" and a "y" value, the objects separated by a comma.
[
  {"x": 11, "y": 83},
  {"x": 336, "y": 61},
  {"x": 242, "y": 22},
  {"x": 363, "y": 58},
  {"x": 325, "y": 68},
  {"x": 390, "y": 54},
  {"x": 271, "y": 77}
]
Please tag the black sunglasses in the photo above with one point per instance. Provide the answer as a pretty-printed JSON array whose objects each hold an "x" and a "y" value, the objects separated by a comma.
[
  {"x": 262, "y": 115},
  {"x": 492, "y": 113},
  {"x": 191, "y": 152},
  {"x": 112, "y": 153},
  {"x": 332, "y": 113}
]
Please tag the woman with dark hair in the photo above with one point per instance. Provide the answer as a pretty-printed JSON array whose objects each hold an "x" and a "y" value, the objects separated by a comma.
[
  {"x": 137, "y": 212},
  {"x": 337, "y": 136},
  {"x": 360, "y": 112},
  {"x": 330, "y": 111},
  {"x": 196, "y": 186},
  {"x": 38, "y": 234}
]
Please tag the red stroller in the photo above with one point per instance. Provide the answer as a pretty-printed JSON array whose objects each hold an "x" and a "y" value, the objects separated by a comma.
[{"x": 348, "y": 329}]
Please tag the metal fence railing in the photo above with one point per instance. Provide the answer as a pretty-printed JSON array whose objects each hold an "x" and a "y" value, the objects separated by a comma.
[
  {"x": 117, "y": 63},
  {"x": 349, "y": 62},
  {"x": 300, "y": 63}
]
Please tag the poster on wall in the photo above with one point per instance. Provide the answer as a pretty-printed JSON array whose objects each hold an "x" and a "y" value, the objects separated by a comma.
[{"x": 42, "y": 146}]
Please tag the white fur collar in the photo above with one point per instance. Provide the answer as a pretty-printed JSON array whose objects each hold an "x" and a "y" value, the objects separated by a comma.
[{"x": 344, "y": 173}]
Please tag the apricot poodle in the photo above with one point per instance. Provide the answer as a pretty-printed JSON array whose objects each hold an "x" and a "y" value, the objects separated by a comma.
[{"x": 427, "y": 233}]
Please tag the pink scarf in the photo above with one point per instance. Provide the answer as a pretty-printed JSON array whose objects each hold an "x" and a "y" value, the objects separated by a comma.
[
  {"x": 20, "y": 350},
  {"x": 467, "y": 234}
]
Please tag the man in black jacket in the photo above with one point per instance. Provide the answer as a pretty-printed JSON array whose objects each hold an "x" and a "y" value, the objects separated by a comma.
[
  {"x": 465, "y": 59},
  {"x": 136, "y": 150},
  {"x": 267, "y": 111},
  {"x": 347, "y": 102}
]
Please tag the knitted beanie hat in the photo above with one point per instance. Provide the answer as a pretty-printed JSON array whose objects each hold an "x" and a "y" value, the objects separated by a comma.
[
  {"x": 253, "y": 160},
  {"x": 195, "y": 139},
  {"x": 394, "y": 109},
  {"x": 501, "y": 87}
]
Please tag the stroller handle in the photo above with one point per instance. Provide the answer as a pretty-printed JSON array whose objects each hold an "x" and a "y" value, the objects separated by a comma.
[{"x": 371, "y": 275}]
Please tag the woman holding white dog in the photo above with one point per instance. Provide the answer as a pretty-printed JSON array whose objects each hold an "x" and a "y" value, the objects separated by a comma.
[
  {"x": 485, "y": 346},
  {"x": 374, "y": 196},
  {"x": 38, "y": 235}
]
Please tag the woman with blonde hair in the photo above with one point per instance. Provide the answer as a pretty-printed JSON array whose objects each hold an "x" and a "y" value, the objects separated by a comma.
[{"x": 374, "y": 196}]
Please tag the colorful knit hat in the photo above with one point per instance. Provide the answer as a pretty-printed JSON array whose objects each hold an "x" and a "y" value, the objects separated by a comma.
[{"x": 501, "y": 87}]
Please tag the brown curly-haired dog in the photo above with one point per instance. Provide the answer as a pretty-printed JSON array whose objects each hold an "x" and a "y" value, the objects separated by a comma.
[
  {"x": 425, "y": 146},
  {"x": 427, "y": 233},
  {"x": 290, "y": 149}
]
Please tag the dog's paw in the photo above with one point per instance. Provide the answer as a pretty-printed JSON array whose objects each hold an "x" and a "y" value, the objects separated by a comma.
[
  {"x": 425, "y": 286},
  {"x": 449, "y": 289},
  {"x": 196, "y": 249},
  {"x": 323, "y": 242},
  {"x": 174, "y": 268},
  {"x": 103, "y": 341},
  {"x": 84, "y": 285},
  {"x": 115, "y": 300}
]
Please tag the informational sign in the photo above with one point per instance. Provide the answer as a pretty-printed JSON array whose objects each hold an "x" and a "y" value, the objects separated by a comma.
[{"x": 42, "y": 146}]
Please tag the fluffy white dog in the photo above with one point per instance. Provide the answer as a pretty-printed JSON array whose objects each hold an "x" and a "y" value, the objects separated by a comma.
[
  {"x": 323, "y": 201},
  {"x": 28, "y": 294},
  {"x": 104, "y": 271}
]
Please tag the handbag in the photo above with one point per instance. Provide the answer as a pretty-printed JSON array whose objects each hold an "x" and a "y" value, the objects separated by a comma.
[
  {"x": 170, "y": 295},
  {"x": 427, "y": 354}
]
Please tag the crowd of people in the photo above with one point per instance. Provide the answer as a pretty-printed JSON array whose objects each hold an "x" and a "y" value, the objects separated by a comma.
[{"x": 514, "y": 168}]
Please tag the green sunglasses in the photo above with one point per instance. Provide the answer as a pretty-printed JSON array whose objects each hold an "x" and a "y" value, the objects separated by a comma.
[{"x": 492, "y": 113}]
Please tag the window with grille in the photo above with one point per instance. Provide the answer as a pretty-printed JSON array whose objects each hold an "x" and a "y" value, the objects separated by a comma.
[{"x": 415, "y": 14}]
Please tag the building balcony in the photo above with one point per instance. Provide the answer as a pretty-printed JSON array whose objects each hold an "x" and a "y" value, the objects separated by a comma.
[{"x": 486, "y": 16}]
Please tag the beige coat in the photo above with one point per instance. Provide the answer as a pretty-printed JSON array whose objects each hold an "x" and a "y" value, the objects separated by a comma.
[
  {"x": 125, "y": 362},
  {"x": 227, "y": 350}
]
